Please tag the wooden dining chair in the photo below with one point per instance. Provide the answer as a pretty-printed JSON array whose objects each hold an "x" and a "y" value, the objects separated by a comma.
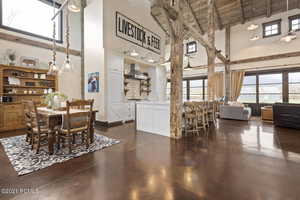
[
  {"x": 201, "y": 118},
  {"x": 27, "y": 120},
  {"x": 39, "y": 127},
  {"x": 76, "y": 123}
]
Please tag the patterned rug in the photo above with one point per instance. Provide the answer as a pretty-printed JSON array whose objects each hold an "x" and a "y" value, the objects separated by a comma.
[{"x": 26, "y": 161}]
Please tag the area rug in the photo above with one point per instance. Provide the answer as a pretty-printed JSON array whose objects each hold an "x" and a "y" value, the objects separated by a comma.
[{"x": 26, "y": 161}]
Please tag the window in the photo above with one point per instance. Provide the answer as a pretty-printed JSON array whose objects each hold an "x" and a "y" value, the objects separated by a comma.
[
  {"x": 272, "y": 28},
  {"x": 30, "y": 17},
  {"x": 294, "y": 87},
  {"x": 196, "y": 90},
  {"x": 294, "y": 23},
  {"x": 270, "y": 88},
  {"x": 184, "y": 90},
  {"x": 248, "y": 92},
  {"x": 191, "y": 47}
]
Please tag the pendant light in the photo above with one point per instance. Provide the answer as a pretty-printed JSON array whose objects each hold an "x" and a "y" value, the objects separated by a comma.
[
  {"x": 53, "y": 69},
  {"x": 291, "y": 35},
  {"x": 67, "y": 67},
  {"x": 188, "y": 67},
  {"x": 74, "y": 5}
]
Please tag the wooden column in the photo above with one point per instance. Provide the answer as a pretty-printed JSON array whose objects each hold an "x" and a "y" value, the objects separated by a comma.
[
  {"x": 211, "y": 53},
  {"x": 227, "y": 65},
  {"x": 176, "y": 74}
]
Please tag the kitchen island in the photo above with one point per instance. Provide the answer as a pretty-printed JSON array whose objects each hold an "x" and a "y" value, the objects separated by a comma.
[{"x": 153, "y": 117}]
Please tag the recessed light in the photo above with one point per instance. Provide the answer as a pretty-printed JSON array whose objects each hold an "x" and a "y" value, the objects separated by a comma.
[
  {"x": 252, "y": 27},
  {"x": 151, "y": 60},
  {"x": 134, "y": 53}
]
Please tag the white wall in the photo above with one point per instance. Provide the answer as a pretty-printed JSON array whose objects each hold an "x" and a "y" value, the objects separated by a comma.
[
  {"x": 66, "y": 80},
  {"x": 94, "y": 53},
  {"x": 118, "y": 108}
]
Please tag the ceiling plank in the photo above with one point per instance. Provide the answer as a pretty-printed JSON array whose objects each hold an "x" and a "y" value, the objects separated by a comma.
[
  {"x": 160, "y": 24},
  {"x": 218, "y": 17},
  {"x": 191, "y": 11},
  {"x": 241, "y": 7},
  {"x": 269, "y": 8}
]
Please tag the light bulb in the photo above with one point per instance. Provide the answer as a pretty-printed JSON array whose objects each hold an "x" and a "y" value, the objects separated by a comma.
[
  {"x": 74, "y": 6},
  {"x": 67, "y": 67},
  {"x": 53, "y": 69},
  {"x": 134, "y": 53}
]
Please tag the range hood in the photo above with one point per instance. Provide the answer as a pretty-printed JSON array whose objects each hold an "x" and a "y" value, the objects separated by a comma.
[{"x": 135, "y": 73}]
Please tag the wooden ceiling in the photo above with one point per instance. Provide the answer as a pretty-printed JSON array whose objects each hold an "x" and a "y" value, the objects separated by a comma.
[{"x": 228, "y": 12}]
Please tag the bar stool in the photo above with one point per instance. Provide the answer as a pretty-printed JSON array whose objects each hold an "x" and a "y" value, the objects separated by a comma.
[{"x": 190, "y": 118}]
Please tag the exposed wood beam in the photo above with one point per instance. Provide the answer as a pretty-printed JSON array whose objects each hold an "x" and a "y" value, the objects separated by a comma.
[
  {"x": 176, "y": 73},
  {"x": 269, "y": 8},
  {"x": 43, "y": 45},
  {"x": 159, "y": 24},
  {"x": 218, "y": 17},
  {"x": 191, "y": 11},
  {"x": 211, "y": 54},
  {"x": 227, "y": 81},
  {"x": 242, "y": 14},
  {"x": 266, "y": 58}
]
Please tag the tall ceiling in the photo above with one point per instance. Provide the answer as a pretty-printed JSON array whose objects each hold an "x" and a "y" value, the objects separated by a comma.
[{"x": 230, "y": 12}]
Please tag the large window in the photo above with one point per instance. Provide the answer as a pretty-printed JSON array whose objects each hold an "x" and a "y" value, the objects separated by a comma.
[
  {"x": 196, "y": 90},
  {"x": 270, "y": 88},
  {"x": 31, "y": 17},
  {"x": 248, "y": 92},
  {"x": 192, "y": 89},
  {"x": 184, "y": 90},
  {"x": 294, "y": 87}
]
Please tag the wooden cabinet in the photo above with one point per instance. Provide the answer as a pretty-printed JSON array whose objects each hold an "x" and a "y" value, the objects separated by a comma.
[
  {"x": 18, "y": 84},
  {"x": 1, "y": 116},
  {"x": 267, "y": 114},
  {"x": 12, "y": 117}
]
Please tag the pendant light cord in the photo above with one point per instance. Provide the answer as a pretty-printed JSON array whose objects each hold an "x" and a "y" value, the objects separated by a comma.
[
  {"x": 54, "y": 36},
  {"x": 68, "y": 34}
]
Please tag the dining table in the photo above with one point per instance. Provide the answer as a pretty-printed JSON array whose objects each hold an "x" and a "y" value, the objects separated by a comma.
[{"x": 55, "y": 120}]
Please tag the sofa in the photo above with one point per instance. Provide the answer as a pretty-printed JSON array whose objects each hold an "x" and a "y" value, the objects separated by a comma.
[
  {"x": 237, "y": 112},
  {"x": 286, "y": 115}
]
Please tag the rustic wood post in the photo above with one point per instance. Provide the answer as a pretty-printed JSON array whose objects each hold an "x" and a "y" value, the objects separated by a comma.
[
  {"x": 176, "y": 74},
  {"x": 211, "y": 53},
  {"x": 227, "y": 65}
]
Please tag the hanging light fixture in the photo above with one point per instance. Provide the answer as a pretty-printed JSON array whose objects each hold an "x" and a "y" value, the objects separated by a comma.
[
  {"x": 67, "y": 67},
  {"x": 74, "y": 5},
  {"x": 291, "y": 35},
  {"x": 133, "y": 53},
  {"x": 188, "y": 67},
  {"x": 53, "y": 69}
]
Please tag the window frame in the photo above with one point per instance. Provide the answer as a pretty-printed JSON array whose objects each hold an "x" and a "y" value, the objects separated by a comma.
[
  {"x": 275, "y": 22},
  {"x": 291, "y": 18},
  {"x": 187, "y": 47},
  {"x": 60, "y": 25}
]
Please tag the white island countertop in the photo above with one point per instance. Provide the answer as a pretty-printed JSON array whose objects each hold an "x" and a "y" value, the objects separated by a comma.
[{"x": 153, "y": 117}]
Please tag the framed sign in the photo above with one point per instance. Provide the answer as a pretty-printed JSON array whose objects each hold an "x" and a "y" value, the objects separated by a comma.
[
  {"x": 191, "y": 47},
  {"x": 135, "y": 33}
]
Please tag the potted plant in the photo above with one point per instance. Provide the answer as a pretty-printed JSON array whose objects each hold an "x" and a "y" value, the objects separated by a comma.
[{"x": 54, "y": 100}]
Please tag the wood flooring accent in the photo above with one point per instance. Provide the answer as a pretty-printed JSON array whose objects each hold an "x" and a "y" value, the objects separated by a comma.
[
  {"x": 239, "y": 161},
  {"x": 43, "y": 45}
]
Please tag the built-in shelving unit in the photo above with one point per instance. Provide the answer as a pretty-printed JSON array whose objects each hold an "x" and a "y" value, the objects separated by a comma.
[
  {"x": 143, "y": 87},
  {"x": 18, "y": 84}
]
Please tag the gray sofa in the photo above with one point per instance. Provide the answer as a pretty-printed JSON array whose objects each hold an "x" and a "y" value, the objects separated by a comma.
[{"x": 235, "y": 112}]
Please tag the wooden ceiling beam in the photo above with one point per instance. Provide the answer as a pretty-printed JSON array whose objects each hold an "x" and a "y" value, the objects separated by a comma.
[
  {"x": 159, "y": 24},
  {"x": 191, "y": 11},
  {"x": 242, "y": 14},
  {"x": 269, "y": 8},
  {"x": 218, "y": 17}
]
